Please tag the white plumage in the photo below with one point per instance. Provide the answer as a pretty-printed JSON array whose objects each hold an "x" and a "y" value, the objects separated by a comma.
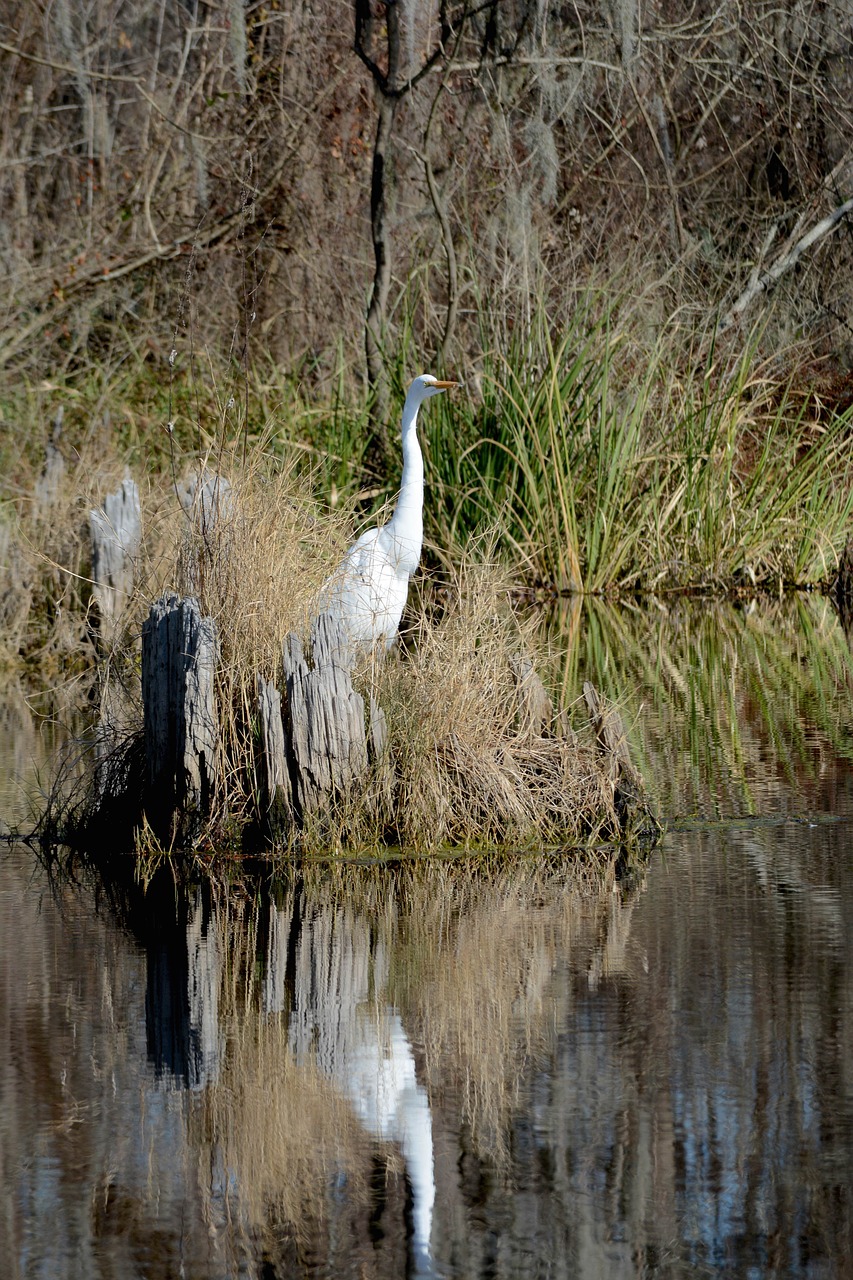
[{"x": 368, "y": 592}]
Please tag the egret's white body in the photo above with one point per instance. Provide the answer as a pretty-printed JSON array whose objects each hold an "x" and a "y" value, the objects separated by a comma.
[{"x": 368, "y": 593}]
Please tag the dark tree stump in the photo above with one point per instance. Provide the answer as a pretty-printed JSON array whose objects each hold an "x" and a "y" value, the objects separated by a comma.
[
  {"x": 180, "y": 650},
  {"x": 842, "y": 587}
]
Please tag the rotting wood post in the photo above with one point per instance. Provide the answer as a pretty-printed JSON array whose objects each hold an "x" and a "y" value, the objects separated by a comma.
[
  {"x": 52, "y": 475},
  {"x": 327, "y": 730},
  {"x": 277, "y": 810},
  {"x": 180, "y": 649},
  {"x": 535, "y": 709},
  {"x": 116, "y": 532}
]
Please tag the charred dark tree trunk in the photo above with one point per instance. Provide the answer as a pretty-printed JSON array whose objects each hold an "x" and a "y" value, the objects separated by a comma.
[
  {"x": 180, "y": 651},
  {"x": 378, "y": 44},
  {"x": 377, "y": 310}
]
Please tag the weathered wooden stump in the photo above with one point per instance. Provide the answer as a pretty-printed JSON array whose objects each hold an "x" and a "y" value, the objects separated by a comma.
[
  {"x": 277, "y": 809},
  {"x": 116, "y": 532},
  {"x": 328, "y": 728},
  {"x": 209, "y": 503},
  {"x": 207, "y": 499},
  {"x": 52, "y": 476},
  {"x": 535, "y": 709},
  {"x": 180, "y": 650}
]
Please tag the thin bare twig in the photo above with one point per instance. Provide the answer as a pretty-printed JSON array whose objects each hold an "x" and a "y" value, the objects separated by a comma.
[{"x": 64, "y": 66}]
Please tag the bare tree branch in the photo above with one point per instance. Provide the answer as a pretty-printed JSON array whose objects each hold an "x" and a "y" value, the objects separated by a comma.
[{"x": 767, "y": 279}]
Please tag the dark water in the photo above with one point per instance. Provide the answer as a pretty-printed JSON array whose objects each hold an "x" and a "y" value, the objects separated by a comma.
[{"x": 455, "y": 1069}]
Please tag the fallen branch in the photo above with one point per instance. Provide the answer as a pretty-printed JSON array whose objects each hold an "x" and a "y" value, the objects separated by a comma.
[{"x": 764, "y": 281}]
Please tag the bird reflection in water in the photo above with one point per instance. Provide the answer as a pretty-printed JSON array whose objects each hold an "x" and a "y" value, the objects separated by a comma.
[{"x": 358, "y": 1041}]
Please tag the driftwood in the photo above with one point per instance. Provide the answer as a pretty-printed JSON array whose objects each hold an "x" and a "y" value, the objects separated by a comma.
[
  {"x": 116, "y": 532},
  {"x": 182, "y": 753}
]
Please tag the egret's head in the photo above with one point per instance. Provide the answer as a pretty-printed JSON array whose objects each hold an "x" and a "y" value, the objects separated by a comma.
[{"x": 426, "y": 385}]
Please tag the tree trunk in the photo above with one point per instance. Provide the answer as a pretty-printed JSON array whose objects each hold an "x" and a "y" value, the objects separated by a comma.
[
  {"x": 374, "y": 334},
  {"x": 180, "y": 650}
]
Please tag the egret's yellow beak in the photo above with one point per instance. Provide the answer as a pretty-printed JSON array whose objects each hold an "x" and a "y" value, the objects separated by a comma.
[{"x": 445, "y": 386}]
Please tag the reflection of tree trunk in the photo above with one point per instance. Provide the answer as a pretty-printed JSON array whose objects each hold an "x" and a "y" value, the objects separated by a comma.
[
  {"x": 842, "y": 592},
  {"x": 377, "y": 372}
]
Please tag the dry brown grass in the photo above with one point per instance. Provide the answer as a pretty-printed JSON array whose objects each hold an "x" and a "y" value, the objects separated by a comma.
[{"x": 467, "y": 769}]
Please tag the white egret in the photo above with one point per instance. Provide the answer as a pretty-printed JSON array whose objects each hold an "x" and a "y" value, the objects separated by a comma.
[{"x": 368, "y": 593}]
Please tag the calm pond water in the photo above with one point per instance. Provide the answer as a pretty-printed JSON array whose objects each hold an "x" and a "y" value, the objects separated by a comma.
[{"x": 465, "y": 1068}]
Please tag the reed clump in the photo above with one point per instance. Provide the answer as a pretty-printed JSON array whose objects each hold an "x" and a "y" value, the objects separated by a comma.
[{"x": 611, "y": 466}]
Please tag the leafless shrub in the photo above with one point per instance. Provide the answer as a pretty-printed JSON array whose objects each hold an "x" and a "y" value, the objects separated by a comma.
[{"x": 674, "y": 152}]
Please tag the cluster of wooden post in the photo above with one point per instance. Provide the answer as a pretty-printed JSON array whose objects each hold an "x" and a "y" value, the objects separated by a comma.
[
  {"x": 318, "y": 740},
  {"x": 315, "y": 743}
]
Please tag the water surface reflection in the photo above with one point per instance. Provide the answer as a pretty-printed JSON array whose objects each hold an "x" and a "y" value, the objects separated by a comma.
[{"x": 437, "y": 1069}]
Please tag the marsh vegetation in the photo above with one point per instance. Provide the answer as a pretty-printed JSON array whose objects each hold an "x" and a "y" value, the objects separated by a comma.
[{"x": 232, "y": 244}]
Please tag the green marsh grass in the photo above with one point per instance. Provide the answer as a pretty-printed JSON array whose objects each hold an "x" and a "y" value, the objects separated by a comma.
[
  {"x": 605, "y": 469},
  {"x": 603, "y": 466},
  {"x": 600, "y": 468}
]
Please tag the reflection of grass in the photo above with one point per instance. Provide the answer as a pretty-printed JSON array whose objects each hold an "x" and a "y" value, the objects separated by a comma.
[
  {"x": 477, "y": 955},
  {"x": 741, "y": 707},
  {"x": 282, "y": 1131}
]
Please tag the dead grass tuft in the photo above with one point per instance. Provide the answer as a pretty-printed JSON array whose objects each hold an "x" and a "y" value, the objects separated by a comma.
[
  {"x": 464, "y": 766},
  {"x": 469, "y": 773}
]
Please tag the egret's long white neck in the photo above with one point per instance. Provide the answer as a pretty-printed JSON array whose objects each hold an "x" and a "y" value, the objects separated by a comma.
[{"x": 407, "y": 520}]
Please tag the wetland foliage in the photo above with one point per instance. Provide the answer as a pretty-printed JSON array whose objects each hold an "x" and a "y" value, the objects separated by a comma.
[{"x": 575, "y": 469}]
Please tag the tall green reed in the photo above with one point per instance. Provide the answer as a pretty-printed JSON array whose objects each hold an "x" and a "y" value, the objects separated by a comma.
[{"x": 605, "y": 468}]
